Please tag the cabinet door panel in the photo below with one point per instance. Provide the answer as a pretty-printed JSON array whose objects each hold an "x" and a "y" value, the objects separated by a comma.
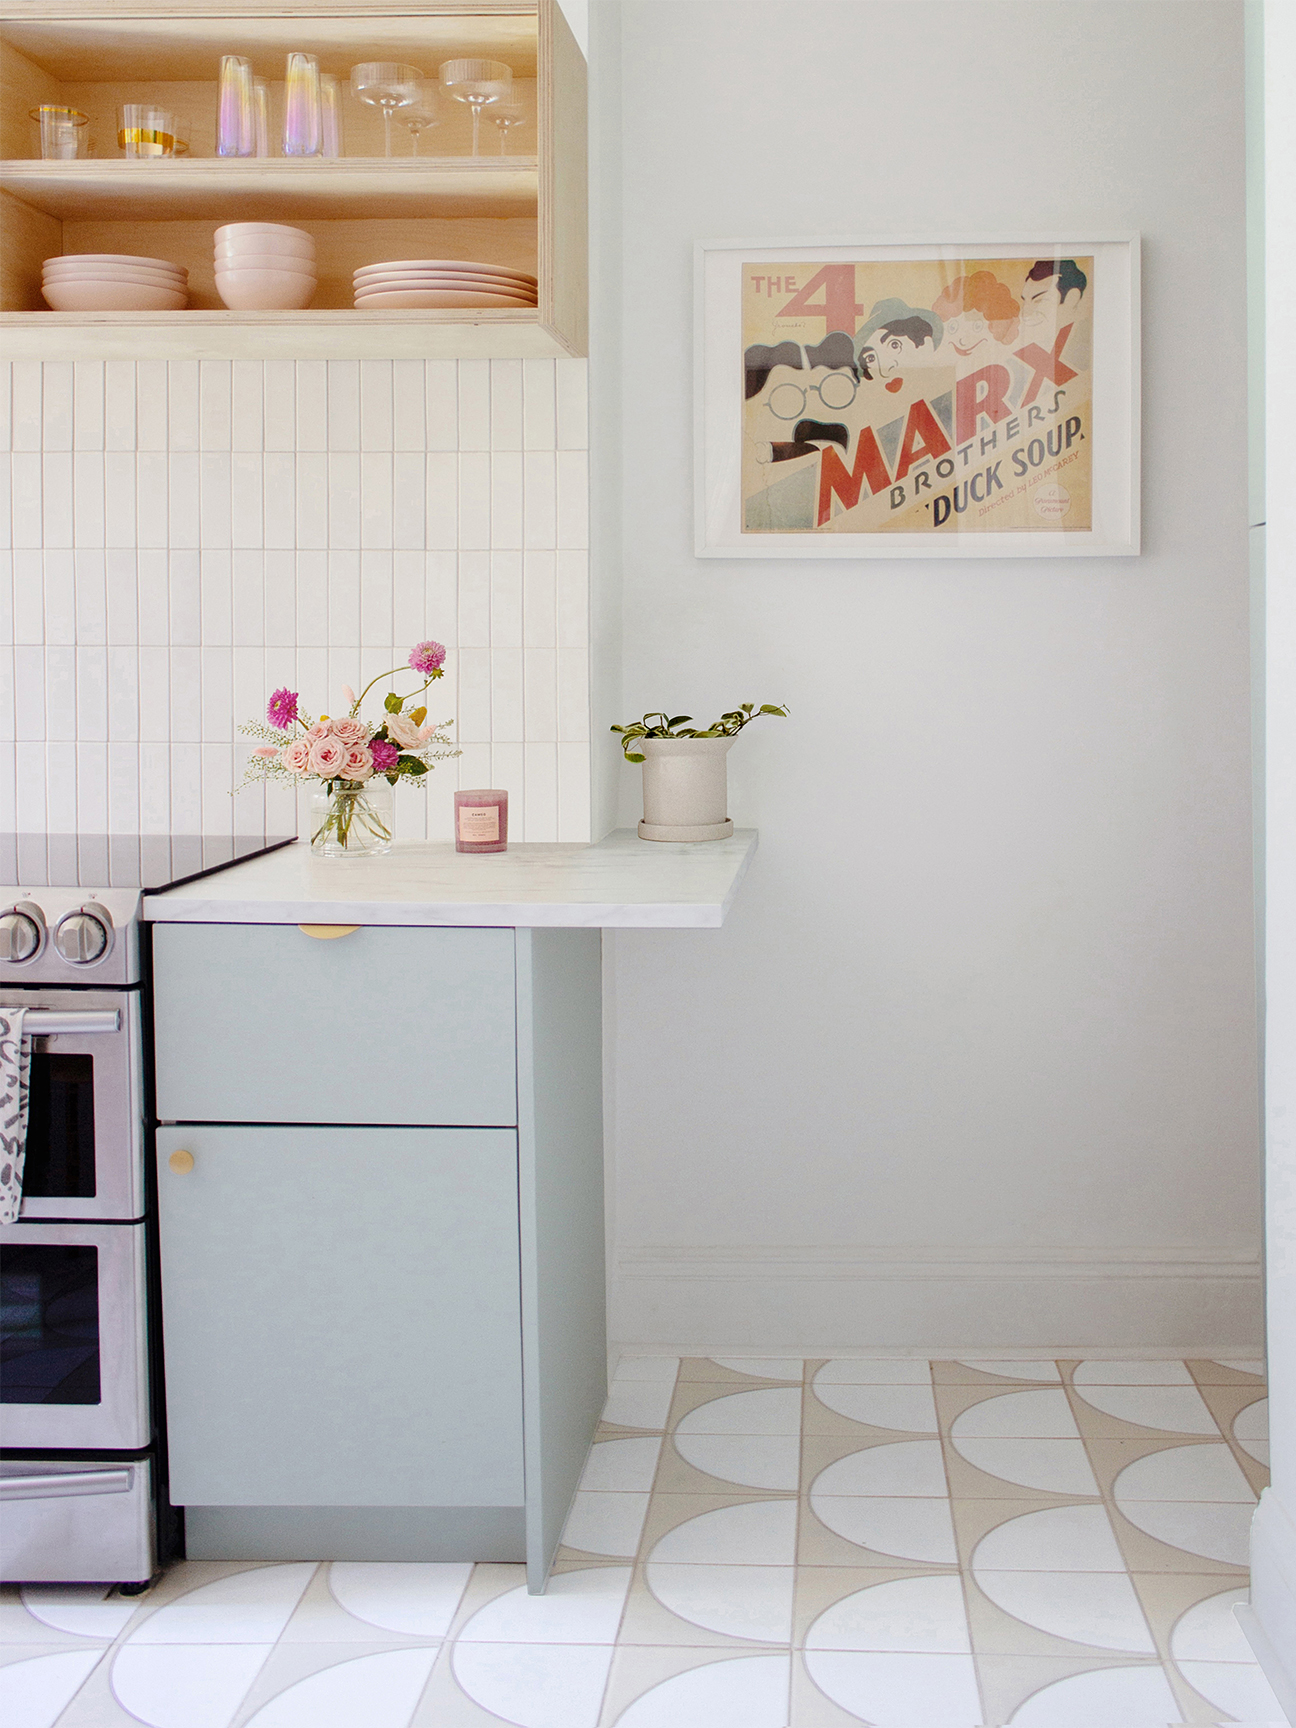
[
  {"x": 263, "y": 1023},
  {"x": 341, "y": 1316}
]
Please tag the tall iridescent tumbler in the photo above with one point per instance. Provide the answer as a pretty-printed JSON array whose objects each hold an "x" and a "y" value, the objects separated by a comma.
[
  {"x": 303, "y": 132},
  {"x": 235, "y": 125},
  {"x": 331, "y": 104}
]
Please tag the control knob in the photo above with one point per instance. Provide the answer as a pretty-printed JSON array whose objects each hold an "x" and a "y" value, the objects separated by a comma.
[
  {"x": 22, "y": 933},
  {"x": 84, "y": 936}
]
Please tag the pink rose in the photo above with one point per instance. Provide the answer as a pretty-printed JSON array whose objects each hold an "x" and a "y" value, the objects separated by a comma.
[
  {"x": 326, "y": 758},
  {"x": 402, "y": 730},
  {"x": 357, "y": 763},
  {"x": 350, "y": 731},
  {"x": 319, "y": 730},
  {"x": 296, "y": 756}
]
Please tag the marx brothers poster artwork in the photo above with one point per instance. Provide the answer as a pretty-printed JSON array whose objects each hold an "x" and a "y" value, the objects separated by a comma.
[{"x": 921, "y": 400}]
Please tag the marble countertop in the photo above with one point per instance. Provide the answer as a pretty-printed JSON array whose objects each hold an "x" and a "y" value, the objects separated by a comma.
[{"x": 619, "y": 883}]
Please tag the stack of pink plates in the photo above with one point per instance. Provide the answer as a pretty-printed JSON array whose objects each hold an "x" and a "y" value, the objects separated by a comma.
[
  {"x": 426, "y": 282},
  {"x": 114, "y": 282}
]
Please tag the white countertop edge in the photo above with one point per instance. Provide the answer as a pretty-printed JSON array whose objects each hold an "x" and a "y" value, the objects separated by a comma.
[{"x": 659, "y": 915}]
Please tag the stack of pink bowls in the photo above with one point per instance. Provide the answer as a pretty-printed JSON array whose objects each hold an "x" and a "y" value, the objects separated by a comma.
[
  {"x": 114, "y": 282},
  {"x": 407, "y": 283},
  {"x": 265, "y": 267}
]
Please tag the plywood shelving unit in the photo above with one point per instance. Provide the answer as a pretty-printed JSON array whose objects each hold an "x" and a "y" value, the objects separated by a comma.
[{"x": 524, "y": 211}]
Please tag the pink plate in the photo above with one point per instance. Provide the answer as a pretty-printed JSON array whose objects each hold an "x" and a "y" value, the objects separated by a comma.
[
  {"x": 451, "y": 284},
  {"x": 394, "y": 299},
  {"x": 79, "y": 258},
  {"x": 454, "y": 266}
]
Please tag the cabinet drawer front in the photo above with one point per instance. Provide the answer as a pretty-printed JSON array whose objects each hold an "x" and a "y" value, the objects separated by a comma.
[
  {"x": 264, "y": 1023},
  {"x": 341, "y": 1316}
]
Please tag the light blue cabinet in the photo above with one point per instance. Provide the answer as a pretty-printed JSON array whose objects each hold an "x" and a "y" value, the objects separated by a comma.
[{"x": 381, "y": 1342}]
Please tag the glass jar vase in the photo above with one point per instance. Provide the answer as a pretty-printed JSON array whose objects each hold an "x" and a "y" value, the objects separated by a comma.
[{"x": 351, "y": 819}]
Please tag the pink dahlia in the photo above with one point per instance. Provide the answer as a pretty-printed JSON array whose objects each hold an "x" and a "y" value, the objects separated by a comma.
[
  {"x": 281, "y": 710},
  {"x": 427, "y": 658},
  {"x": 384, "y": 755}
]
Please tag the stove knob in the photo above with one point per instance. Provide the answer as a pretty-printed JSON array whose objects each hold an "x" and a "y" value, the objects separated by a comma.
[
  {"x": 22, "y": 933},
  {"x": 83, "y": 937}
]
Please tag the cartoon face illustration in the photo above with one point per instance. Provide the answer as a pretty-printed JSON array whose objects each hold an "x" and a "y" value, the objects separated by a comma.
[
  {"x": 1051, "y": 298},
  {"x": 980, "y": 315},
  {"x": 797, "y": 397},
  {"x": 897, "y": 339}
]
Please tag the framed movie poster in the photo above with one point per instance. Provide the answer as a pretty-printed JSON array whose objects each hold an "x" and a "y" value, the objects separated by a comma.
[{"x": 918, "y": 400}]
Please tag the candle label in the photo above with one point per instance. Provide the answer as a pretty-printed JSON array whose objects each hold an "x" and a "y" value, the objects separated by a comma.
[{"x": 479, "y": 822}]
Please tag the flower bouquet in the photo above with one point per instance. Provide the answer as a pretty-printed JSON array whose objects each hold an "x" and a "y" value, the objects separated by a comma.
[{"x": 353, "y": 762}]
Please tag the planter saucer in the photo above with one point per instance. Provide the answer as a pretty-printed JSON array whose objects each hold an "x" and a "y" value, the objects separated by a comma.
[{"x": 697, "y": 831}]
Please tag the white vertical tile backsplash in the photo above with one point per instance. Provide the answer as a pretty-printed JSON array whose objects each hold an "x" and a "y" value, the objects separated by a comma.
[{"x": 188, "y": 535}]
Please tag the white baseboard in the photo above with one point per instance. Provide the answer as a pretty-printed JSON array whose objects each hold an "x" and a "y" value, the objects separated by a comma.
[
  {"x": 1270, "y": 1620},
  {"x": 767, "y": 1298}
]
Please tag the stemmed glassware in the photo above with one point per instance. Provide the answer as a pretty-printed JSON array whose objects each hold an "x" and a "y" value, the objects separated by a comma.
[
  {"x": 506, "y": 115},
  {"x": 422, "y": 115},
  {"x": 478, "y": 83},
  {"x": 389, "y": 85}
]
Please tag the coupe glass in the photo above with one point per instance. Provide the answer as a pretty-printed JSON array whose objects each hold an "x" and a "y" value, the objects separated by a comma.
[
  {"x": 422, "y": 115},
  {"x": 389, "y": 85},
  {"x": 478, "y": 83},
  {"x": 506, "y": 115}
]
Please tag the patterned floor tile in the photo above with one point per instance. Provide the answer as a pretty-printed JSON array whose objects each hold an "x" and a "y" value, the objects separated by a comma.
[
  {"x": 655, "y": 1368},
  {"x": 891, "y": 1409},
  {"x": 642, "y": 1404},
  {"x": 705, "y": 1407},
  {"x": 337, "y": 1686},
  {"x": 785, "y": 1368},
  {"x": 37, "y": 1683},
  {"x": 872, "y": 1371},
  {"x": 720, "y": 1463},
  {"x": 351, "y": 1602},
  {"x": 990, "y": 1371},
  {"x": 708, "y": 1370},
  {"x": 682, "y": 1603},
  {"x": 622, "y": 1466},
  {"x": 1226, "y": 1372},
  {"x": 703, "y": 1688},
  {"x": 820, "y": 1588}
]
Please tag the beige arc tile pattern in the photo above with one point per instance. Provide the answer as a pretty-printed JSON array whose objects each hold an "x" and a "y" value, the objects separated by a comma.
[{"x": 756, "y": 1543}]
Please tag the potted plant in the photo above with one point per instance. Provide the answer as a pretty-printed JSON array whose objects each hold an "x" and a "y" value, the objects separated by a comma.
[{"x": 685, "y": 777}]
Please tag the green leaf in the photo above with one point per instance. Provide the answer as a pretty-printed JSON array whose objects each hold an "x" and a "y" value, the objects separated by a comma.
[
  {"x": 679, "y": 719},
  {"x": 392, "y": 703},
  {"x": 411, "y": 765},
  {"x": 634, "y": 756}
]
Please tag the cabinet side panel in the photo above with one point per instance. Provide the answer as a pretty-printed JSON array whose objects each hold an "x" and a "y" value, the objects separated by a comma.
[
  {"x": 564, "y": 179},
  {"x": 560, "y": 1171}
]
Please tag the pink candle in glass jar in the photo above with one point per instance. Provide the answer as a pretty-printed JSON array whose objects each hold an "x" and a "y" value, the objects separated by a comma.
[{"x": 481, "y": 820}]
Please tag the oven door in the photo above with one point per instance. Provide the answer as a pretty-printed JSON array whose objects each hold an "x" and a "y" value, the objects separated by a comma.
[
  {"x": 84, "y": 1117},
  {"x": 73, "y": 1367}
]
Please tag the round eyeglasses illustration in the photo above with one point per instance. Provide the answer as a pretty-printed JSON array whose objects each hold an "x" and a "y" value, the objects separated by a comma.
[{"x": 788, "y": 401}]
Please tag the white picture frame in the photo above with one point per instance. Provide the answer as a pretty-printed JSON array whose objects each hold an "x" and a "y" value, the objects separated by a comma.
[{"x": 719, "y": 409}]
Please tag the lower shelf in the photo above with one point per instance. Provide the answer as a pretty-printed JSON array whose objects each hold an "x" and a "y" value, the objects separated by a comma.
[{"x": 323, "y": 335}]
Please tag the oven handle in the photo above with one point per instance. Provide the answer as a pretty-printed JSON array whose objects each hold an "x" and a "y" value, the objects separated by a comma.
[
  {"x": 62, "y": 1487},
  {"x": 50, "y": 1022}
]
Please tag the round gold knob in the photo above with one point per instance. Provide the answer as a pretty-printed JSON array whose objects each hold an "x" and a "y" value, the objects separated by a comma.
[{"x": 181, "y": 1162}]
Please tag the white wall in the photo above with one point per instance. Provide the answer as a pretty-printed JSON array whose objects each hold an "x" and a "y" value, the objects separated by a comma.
[
  {"x": 189, "y": 536},
  {"x": 974, "y": 1059}
]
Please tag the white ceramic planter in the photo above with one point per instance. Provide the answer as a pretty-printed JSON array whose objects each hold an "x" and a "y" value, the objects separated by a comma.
[{"x": 685, "y": 788}]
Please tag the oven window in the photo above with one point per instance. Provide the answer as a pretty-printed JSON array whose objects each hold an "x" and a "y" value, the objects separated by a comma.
[
  {"x": 49, "y": 1324},
  {"x": 60, "y": 1128}
]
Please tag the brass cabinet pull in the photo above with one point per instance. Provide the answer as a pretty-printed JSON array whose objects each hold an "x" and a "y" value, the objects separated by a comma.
[
  {"x": 327, "y": 932},
  {"x": 181, "y": 1162}
]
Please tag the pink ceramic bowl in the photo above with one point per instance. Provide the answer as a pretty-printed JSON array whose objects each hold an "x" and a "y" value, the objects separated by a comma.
[
  {"x": 265, "y": 237},
  {"x": 265, "y": 290},
  {"x": 267, "y": 261},
  {"x": 112, "y": 297}
]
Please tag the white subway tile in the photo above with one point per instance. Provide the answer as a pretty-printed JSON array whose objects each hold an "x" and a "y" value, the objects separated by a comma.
[
  {"x": 311, "y": 405},
  {"x": 573, "y": 498},
  {"x": 215, "y": 588},
  {"x": 31, "y": 813},
  {"x": 7, "y": 727},
  {"x": 91, "y": 597},
  {"x": 92, "y": 695},
  {"x": 6, "y": 501},
  {"x": 6, "y": 595},
  {"x": 376, "y": 498},
  {"x": 540, "y": 775},
  {"x": 539, "y": 623},
  {"x": 571, "y": 380},
  {"x": 124, "y": 789},
  {"x": 442, "y": 498},
  {"x": 441, "y": 404},
  {"x": 184, "y": 585},
  {"x": 54, "y": 577},
  {"x": 120, "y": 484},
  {"x": 506, "y": 499},
  {"x": 441, "y": 596},
  {"x": 119, "y": 405},
  {"x": 278, "y": 583},
  {"x": 6, "y": 407},
  {"x": 154, "y": 789},
  {"x": 9, "y": 823},
  {"x": 121, "y": 584},
  {"x": 60, "y": 787},
  {"x": 376, "y": 601},
  {"x": 376, "y": 410},
  {"x": 60, "y": 695},
  {"x": 344, "y": 500},
  {"x": 184, "y": 494},
  {"x": 506, "y": 599},
  {"x": 88, "y": 498},
  {"x": 344, "y": 600},
  {"x": 247, "y": 504},
  {"x": 408, "y": 585},
  {"x": 540, "y": 685},
  {"x": 153, "y": 585},
  {"x": 215, "y": 494},
  {"x": 247, "y": 406},
  {"x": 312, "y": 500},
  {"x": 88, "y": 405},
  {"x": 28, "y": 595},
  {"x": 251, "y": 688},
  {"x": 474, "y": 711},
  {"x": 474, "y": 600},
  {"x": 473, "y": 764},
  {"x": 29, "y": 694},
  {"x": 151, "y": 500},
  {"x": 217, "y": 696},
  {"x": 343, "y": 404},
  {"x": 217, "y": 781},
  {"x": 474, "y": 404},
  {"x": 408, "y": 415},
  {"x": 438, "y": 794},
  {"x": 27, "y": 404},
  {"x": 215, "y": 406},
  {"x": 91, "y": 788},
  {"x": 539, "y": 427},
  {"x": 474, "y": 499},
  {"x": 408, "y": 498},
  {"x": 508, "y": 770},
  {"x": 123, "y": 694},
  {"x": 506, "y": 695},
  {"x": 186, "y": 695},
  {"x": 573, "y": 695},
  {"x": 279, "y": 498},
  {"x": 540, "y": 519},
  {"x": 56, "y": 405},
  {"x": 506, "y": 404},
  {"x": 186, "y": 787},
  {"x": 573, "y": 599},
  {"x": 56, "y": 498},
  {"x": 182, "y": 405},
  {"x": 312, "y": 599}
]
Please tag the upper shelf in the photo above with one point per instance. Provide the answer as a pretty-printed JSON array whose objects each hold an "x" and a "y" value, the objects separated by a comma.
[{"x": 278, "y": 188}]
